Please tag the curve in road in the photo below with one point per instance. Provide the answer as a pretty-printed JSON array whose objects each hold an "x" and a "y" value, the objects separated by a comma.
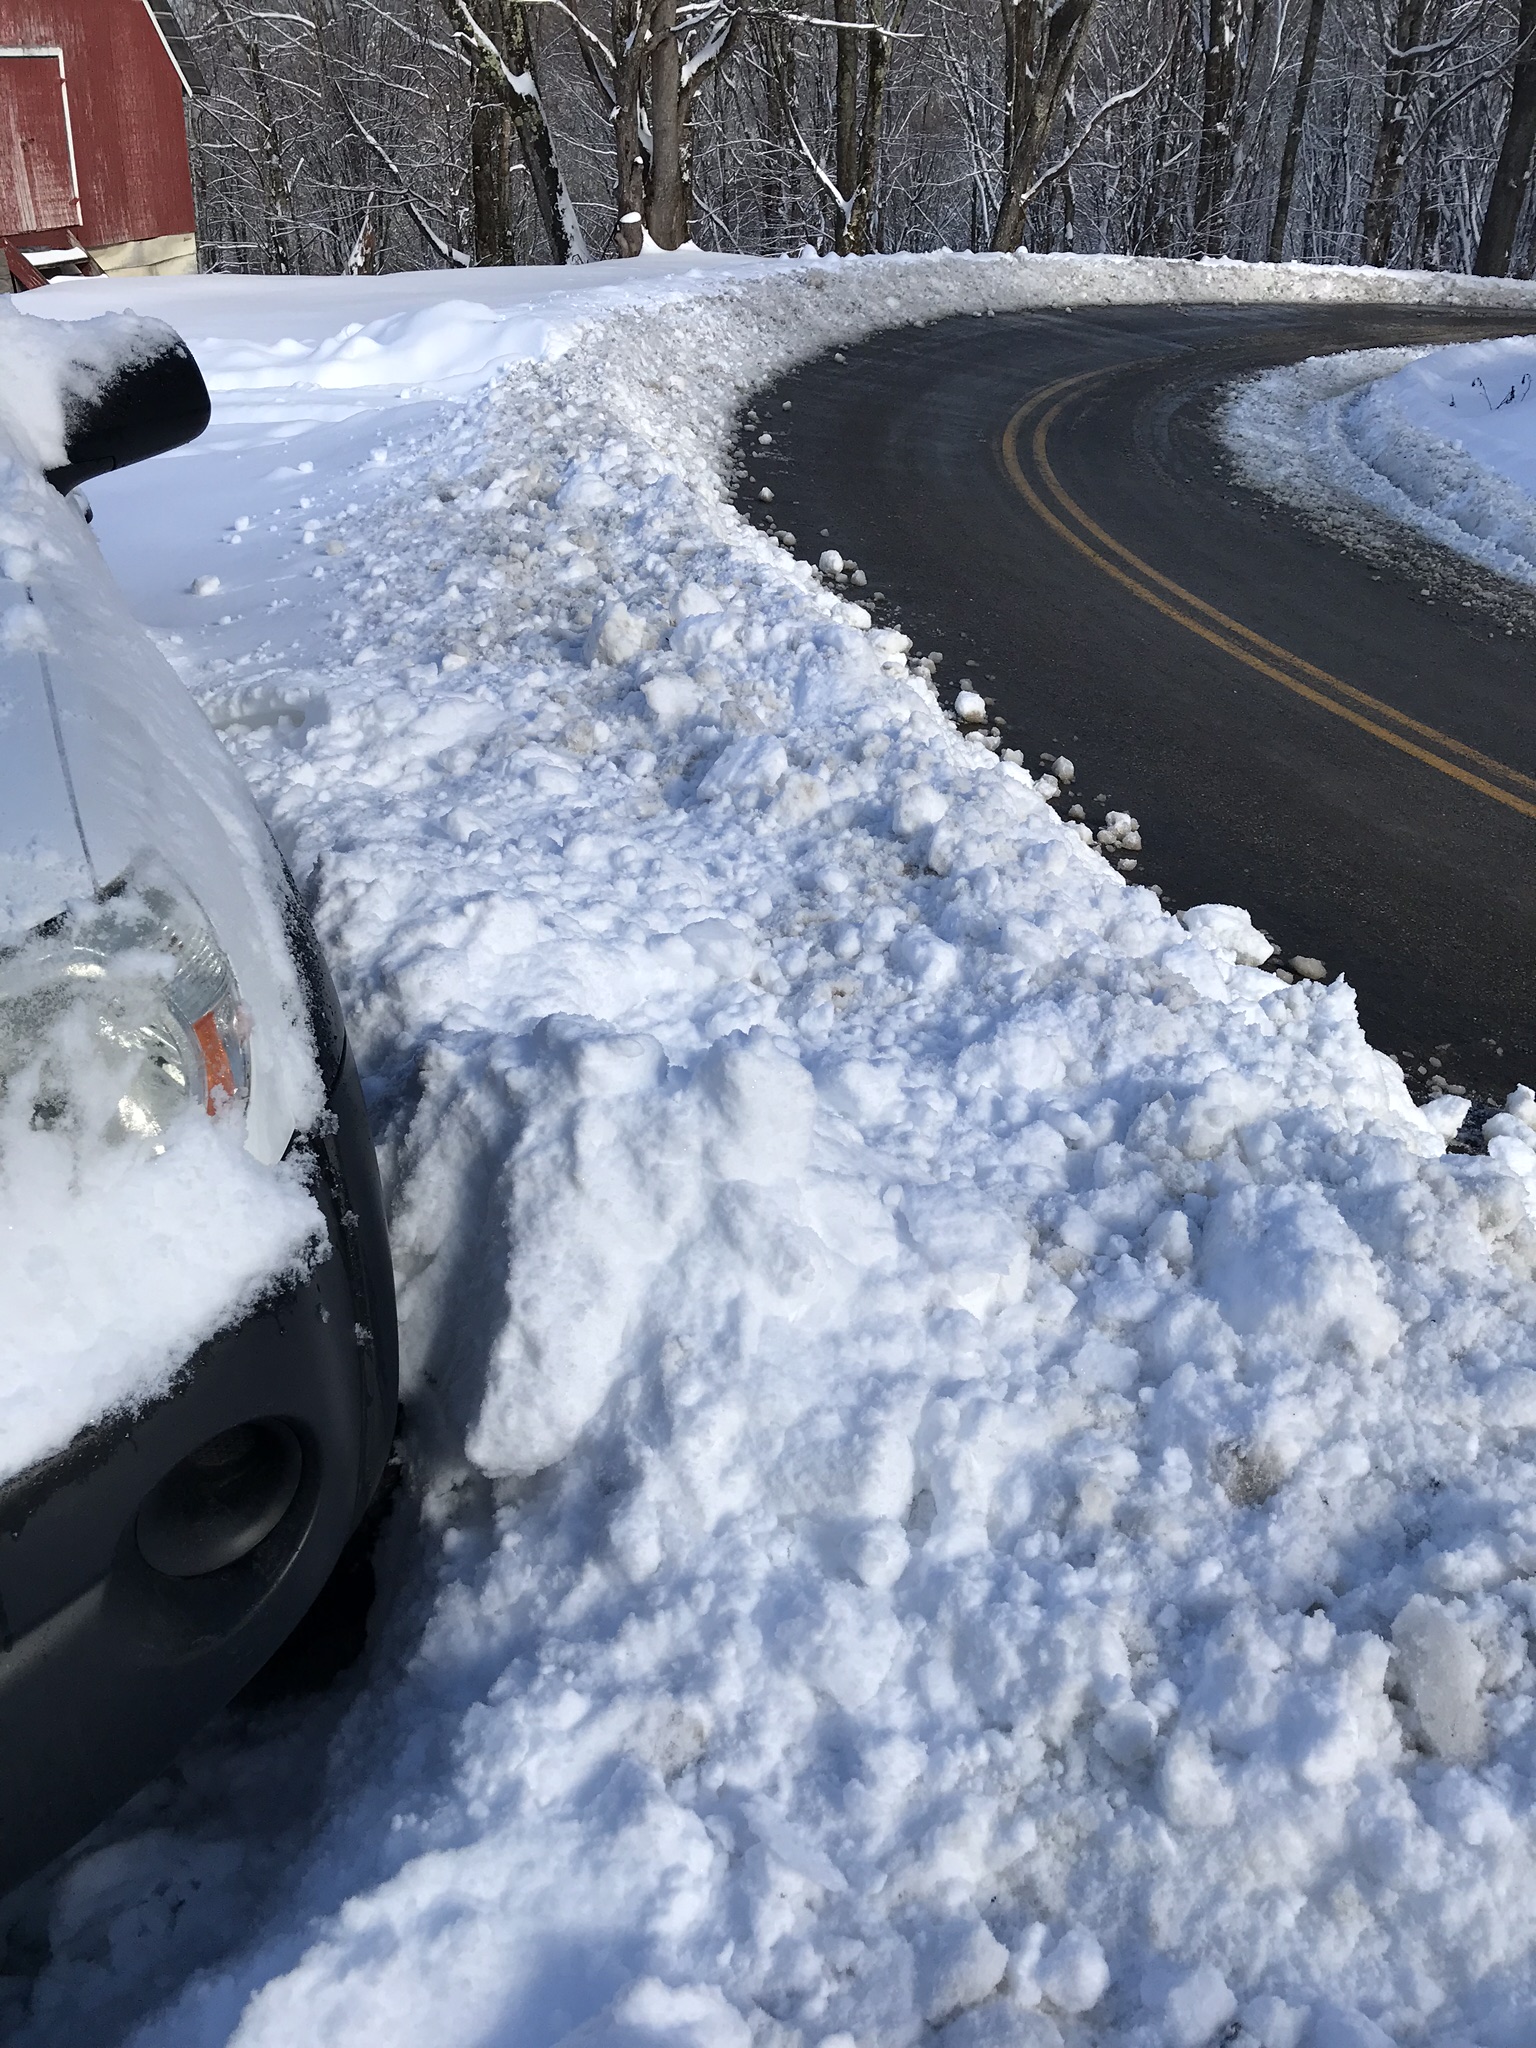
[{"x": 1339, "y": 737}]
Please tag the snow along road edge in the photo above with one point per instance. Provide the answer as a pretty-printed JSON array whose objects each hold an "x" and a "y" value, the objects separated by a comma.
[{"x": 1040, "y": 1494}]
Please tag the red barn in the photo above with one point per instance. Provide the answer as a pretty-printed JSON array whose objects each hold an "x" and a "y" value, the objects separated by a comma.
[{"x": 94, "y": 174}]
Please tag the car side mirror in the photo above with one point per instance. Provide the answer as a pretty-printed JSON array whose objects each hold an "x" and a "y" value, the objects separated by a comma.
[{"x": 151, "y": 399}]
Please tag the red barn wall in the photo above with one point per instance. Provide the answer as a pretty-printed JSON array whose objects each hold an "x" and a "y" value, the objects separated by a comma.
[
  {"x": 37, "y": 176},
  {"x": 125, "y": 109}
]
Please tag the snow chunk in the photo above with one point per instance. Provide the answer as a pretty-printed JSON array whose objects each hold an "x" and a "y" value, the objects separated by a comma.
[
  {"x": 916, "y": 808},
  {"x": 693, "y": 601},
  {"x": 746, "y": 767},
  {"x": 694, "y": 638},
  {"x": 958, "y": 1963},
  {"x": 878, "y": 1555},
  {"x": 766, "y": 1101},
  {"x": 656, "y": 2015},
  {"x": 584, "y": 491},
  {"x": 870, "y": 1093},
  {"x": 616, "y": 635},
  {"x": 1273, "y": 2023},
  {"x": 1194, "y": 1793},
  {"x": 724, "y": 948},
  {"x": 1197, "y": 2008},
  {"x": 672, "y": 698},
  {"x": 1445, "y": 1114},
  {"x": 1293, "y": 1279},
  {"x": 1127, "y": 1733},
  {"x": 1226, "y": 929},
  {"x": 1074, "y": 1975},
  {"x": 1441, "y": 1671}
]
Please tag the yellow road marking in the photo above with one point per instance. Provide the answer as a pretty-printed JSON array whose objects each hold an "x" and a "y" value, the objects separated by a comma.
[{"x": 1227, "y": 634}]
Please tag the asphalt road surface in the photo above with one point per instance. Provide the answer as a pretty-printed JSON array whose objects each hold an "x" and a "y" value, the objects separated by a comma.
[{"x": 1327, "y": 734}]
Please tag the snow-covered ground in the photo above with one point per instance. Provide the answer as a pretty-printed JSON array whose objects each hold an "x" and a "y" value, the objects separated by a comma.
[
  {"x": 972, "y": 1459},
  {"x": 1441, "y": 440}
]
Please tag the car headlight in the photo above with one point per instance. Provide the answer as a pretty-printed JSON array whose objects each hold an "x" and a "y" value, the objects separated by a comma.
[{"x": 119, "y": 1014}]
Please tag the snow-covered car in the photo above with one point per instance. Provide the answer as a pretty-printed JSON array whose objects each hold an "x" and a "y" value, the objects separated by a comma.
[{"x": 198, "y": 1368}]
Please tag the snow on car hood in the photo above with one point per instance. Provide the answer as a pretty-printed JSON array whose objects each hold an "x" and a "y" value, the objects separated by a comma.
[{"x": 115, "y": 1262}]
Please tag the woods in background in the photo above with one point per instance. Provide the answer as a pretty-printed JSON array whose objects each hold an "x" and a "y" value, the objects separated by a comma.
[{"x": 358, "y": 135}]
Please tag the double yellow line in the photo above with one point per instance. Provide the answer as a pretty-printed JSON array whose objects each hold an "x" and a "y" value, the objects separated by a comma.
[{"x": 1029, "y": 465}]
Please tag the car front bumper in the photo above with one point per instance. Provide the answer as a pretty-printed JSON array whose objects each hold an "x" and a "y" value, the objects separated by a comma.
[{"x": 107, "y": 1665}]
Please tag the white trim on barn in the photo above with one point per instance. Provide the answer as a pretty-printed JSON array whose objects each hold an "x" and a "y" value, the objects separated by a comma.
[
  {"x": 55, "y": 51},
  {"x": 191, "y": 79}
]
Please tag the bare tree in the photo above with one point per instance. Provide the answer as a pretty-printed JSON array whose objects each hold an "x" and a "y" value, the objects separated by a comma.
[
  {"x": 1041, "y": 47},
  {"x": 499, "y": 49},
  {"x": 266, "y": 143},
  {"x": 661, "y": 56},
  {"x": 849, "y": 188},
  {"x": 1512, "y": 175},
  {"x": 1235, "y": 33},
  {"x": 381, "y": 134},
  {"x": 1295, "y": 128}
]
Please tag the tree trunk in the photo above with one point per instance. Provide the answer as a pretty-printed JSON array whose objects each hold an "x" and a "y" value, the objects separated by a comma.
[
  {"x": 499, "y": 44},
  {"x": 779, "y": 70},
  {"x": 490, "y": 167},
  {"x": 1431, "y": 220},
  {"x": 1294, "y": 130},
  {"x": 557, "y": 214},
  {"x": 1512, "y": 177},
  {"x": 1041, "y": 48},
  {"x": 284, "y": 255},
  {"x": 1392, "y": 136},
  {"x": 1152, "y": 219},
  {"x": 846, "y": 170},
  {"x": 667, "y": 212},
  {"x": 863, "y": 192},
  {"x": 1218, "y": 116},
  {"x": 630, "y": 50}
]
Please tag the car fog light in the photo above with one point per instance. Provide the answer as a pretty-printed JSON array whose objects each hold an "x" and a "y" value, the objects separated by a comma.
[{"x": 219, "y": 1503}]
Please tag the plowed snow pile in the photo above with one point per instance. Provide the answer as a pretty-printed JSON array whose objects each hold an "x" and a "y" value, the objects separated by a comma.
[
  {"x": 1440, "y": 440},
  {"x": 976, "y": 1455}
]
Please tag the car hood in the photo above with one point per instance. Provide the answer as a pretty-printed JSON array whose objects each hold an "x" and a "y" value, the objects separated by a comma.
[{"x": 106, "y": 761}]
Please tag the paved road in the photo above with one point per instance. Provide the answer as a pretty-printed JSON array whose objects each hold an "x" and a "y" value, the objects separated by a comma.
[{"x": 1297, "y": 726}]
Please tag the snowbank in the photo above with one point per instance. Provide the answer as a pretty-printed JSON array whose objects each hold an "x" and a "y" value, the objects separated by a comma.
[
  {"x": 974, "y": 1451},
  {"x": 1443, "y": 441}
]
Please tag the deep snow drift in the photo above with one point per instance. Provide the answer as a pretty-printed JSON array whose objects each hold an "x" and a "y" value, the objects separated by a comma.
[
  {"x": 1440, "y": 440},
  {"x": 974, "y": 1449}
]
